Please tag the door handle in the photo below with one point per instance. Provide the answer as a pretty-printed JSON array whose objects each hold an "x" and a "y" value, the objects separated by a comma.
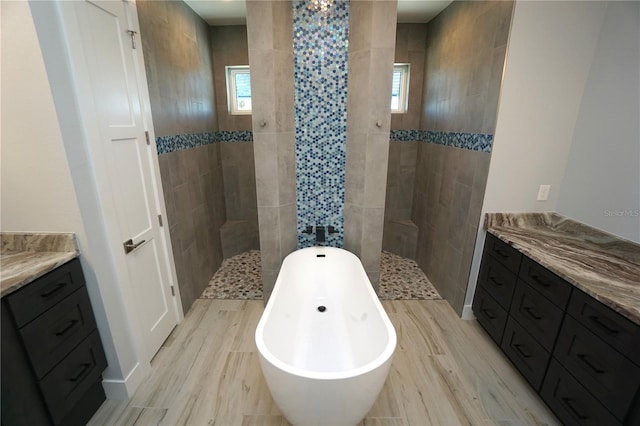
[{"x": 129, "y": 246}]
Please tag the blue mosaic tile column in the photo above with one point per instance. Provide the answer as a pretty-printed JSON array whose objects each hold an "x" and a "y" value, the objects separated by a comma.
[{"x": 321, "y": 52}]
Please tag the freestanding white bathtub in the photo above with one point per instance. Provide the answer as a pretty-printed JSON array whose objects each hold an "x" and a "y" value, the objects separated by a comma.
[{"x": 325, "y": 341}]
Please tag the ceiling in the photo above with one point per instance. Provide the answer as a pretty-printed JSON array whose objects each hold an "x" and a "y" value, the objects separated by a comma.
[
  {"x": 414, "y": 11},
  {"x": 233, "y": 12}
]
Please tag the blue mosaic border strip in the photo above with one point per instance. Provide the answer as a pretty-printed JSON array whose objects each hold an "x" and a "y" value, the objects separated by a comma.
[
  {"x": 471, "y": 141},
  {"x": 168, "y": 144},
  {"x": 321, "y": 51},
  {"x": 406, "y": 135}
]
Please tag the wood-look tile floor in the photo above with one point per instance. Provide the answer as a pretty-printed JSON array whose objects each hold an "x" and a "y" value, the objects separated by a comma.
[{"x": 445, "y": 371}]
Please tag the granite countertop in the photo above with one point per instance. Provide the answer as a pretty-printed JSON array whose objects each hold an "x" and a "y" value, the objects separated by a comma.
[
  {"x": 602, "y": 265},
  {"x": 25, "y": 257}
]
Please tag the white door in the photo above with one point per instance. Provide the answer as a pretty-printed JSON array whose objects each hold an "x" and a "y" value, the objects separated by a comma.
[{"x": 110, "y": 55}]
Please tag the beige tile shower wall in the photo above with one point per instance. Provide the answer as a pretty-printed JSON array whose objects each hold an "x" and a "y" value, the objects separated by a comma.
[
  {"x": 269, "y": 34},
  {"x": 466, "y": 45},
  {"x": 238, "y": 173},
  {"x": 178, "y": 65},
  {"x": 449, "y": 191},
  {"x": 401, "y": 174},
  {"x": 372, "y": 30},
  {"x": 193, "y": 192},
  {"x": 411, "y": 45},
  {"x": 238, "y": 170},
  {"x": 465, "y": 56},
  {"x": 177, "y": 56},
  {"x": 400, "y": 234},
  {"x": 228, "y": 47}
]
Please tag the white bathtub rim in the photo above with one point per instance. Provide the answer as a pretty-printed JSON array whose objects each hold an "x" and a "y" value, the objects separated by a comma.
[{"x": 383, "y": 357}]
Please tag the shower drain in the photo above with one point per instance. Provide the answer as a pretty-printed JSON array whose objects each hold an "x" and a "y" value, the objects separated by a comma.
[{"x": 322, "y": 308}]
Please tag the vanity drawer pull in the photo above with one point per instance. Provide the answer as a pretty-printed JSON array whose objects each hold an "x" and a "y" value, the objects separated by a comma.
[
  {"x": 488, "y": 313},
  {"x": 584, "y": 359},
  {"x": 495, "y": 280},
  {"x": 81, "y": 371},
  {"x": 540, "y": 281},
  {"x": 602, "y": 325},
  {"x": 68, "y": 327},
  {"x": 568, "y": 402},
  {"x": 519, "y": 347},
  {"x": 532, "y": 313},
  {"x": 502, "y": 254},
  {"x": 53, "y": 291}
]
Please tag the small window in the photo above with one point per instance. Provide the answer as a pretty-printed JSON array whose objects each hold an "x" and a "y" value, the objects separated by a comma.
[
  {"x": 238, "y": 89},
  {"x": 400, "y": 88}
]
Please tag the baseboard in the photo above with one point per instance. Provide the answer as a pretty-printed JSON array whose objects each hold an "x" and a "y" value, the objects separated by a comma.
[
  {"x": 124, "y": 389},
  {"x": 467, "y": 313}
]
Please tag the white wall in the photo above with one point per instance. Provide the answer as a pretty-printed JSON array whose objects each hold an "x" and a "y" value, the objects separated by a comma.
[
  {"x": 551, "y": 47},
  {"x": 38, "y": 189},
  {"x": 601, "y": 186},
  {"x": 549, "y": 55}
]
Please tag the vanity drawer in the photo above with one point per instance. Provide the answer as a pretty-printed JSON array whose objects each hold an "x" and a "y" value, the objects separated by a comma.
[
  {"x": 503, "y": 252},
  {"x": 528, "y": 356},
  {"x": 498, "y": 281},
  {"x": 609, "y": 376},
  {"x": 534, "y": 312},
  {"x": 67, "y": 383},
  {"x": 633, "y": 416},
  {"x": 546, "y": 282},
  {"x": 55, "y": 333},
  {"x": 32, "y": 300},
  {"x": 607, "y": 324},
  {"x": 571, "y": 402},
  {"x": 489, "y": 314}
]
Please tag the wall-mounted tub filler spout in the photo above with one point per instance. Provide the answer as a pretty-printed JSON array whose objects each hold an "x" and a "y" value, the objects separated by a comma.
[{"x": 321, "y": 232}]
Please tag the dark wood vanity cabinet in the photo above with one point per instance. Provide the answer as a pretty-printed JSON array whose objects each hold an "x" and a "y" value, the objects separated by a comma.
[
  {"x": 582, "y": 357},
  {"x": 496, "y": 284},
  {"x": 52, "y": 356}
]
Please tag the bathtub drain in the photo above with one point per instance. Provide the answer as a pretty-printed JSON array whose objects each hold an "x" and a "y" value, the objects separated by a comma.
[{"x": 322, "y": 308}]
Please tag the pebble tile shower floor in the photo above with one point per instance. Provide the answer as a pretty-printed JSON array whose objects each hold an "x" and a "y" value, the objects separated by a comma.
[{"x": 239, "y": 278}]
